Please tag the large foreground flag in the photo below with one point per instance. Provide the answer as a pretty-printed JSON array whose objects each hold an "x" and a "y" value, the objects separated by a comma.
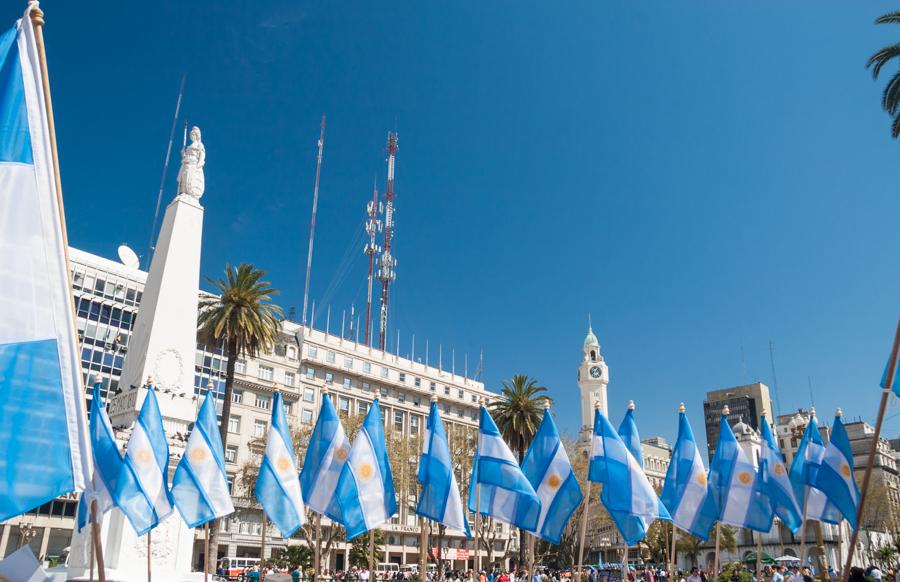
[
  {"x": 107, "y": 463},
  {"x": 200, "y": 484},
  {"x": 547, "y": 467},
  {"x": 440, "y": 500},
  {"x": 142, "y": 492},
  {"x": 505, "y": 492},
  {"x": 43, "y": 426},
  {"x": 684, "y": 492},
  {"x": 835, "y": 477},
  {"x": 278, "y": 484},
  {"x": 775, "y": 482},
  {"x": 805, "y": 471},
  {"x": 627, "y": 491},
  {"x": 734, "y": 484},
  {"x": 325, "y": 457},
  {"x": 365, "y": 490},
  {"x": 633, "y": 526}
]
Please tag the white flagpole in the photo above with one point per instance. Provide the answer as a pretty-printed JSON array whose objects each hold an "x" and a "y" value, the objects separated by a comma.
[
  {"x": 716, "y": 561},
  {"x": 584, "y": 518},
  {"x": 372, "y": 555},
  {"x": 672, "y": 564},
  {"x": 149, "y": 556}
]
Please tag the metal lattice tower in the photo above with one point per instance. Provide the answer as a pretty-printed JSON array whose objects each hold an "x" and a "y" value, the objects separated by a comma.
[
  {"x": 387, "y": 263},
  {"x": 373, "y": 227}
]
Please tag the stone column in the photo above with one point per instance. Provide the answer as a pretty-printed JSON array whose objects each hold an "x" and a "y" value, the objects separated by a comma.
[
  {"x": 45, "y": 541},
  {"x": 4, "y": 540}
]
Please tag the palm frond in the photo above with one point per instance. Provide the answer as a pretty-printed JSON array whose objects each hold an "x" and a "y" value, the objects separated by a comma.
[
  {"x": 889, "y": 18},
  {"x": 881, "y": 58}
]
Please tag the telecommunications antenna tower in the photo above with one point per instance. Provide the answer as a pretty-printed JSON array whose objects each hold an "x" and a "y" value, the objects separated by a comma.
[
  {"x": 373, "y": 227},
  {"x": 387, "y": 263}
]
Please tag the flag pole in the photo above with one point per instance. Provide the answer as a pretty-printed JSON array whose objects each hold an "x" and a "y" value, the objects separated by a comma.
[
  {"x": 625, "y": 567},
  {"x": 584, "y": 518},
  {"x": 149, "y": 555},
  {"x": 262, "y": 549},
  {"x": 531, "y": 559},
  {"x": 372, "y": 555},
  {"x": 206, "y": 555},
  {"x": 716, "y": 561},
  {"x": 478, "y": 501},
  {"x": 886, "y": 391},
  {"x": 96, "y": 546},
  {"x": 423, "y": 544},
  {"x": 759, "y": 555},
  {"x": 91, "y": 554},
  {"x": 672, "y": 564},
  {"x": 317, "y": 558},
  {"x": 805, "y": 509}
]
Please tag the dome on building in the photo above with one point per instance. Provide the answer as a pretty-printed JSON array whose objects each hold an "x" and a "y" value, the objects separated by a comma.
[
  {"x": 742, "y": 428},
  {"x": 591, "y": 340}
]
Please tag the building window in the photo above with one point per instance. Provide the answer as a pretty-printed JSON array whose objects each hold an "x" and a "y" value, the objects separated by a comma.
[
  {"x": 398, "y": 420},
  {"x": 344, "y": 405},
  {"x": 259, "y": 428},
  {"x": 383, "y": 391},
  {"x": 348, "y": 363},
  {"x": 362, "y": 407},
  {"x": 234, "y": 424},
  {"x": 310, "y": 373},
  {"x": 265, "y": 373},
  {"x": 413, "y": 425},
  {"x": 446, "y": 390},
  {"x": 461, "y": 394},
  {"x": 231, "y": 454},
  {"x": 309, "y": 395},
  {"x": 240, "y": 366},
  {"x": 401, "y": 396},
  {"x": 417, "y": 382},
  {"x": 237, "y": 397},
  {"x": 263, "y": 402},
  {"x": 474, "y": 399},
  {"x": 433, "y": 386},
  {"x": 329, "y": 377},
  {"x": 292, "y": 352},
  {"x": 288, "y": 378},
  {"x": 366, "y": 387},
  {"x": 306, "y": 416},
  {"x": 367, "y": 367},
  {"x": 329, "y": 357},
  {"x": 347, "y": 383},
  {"x": 416, "y": 400},
  {"x": 403, "y": 376},
  {"x": 384, "y": 372},
  {"x": 312, "y": 352}
]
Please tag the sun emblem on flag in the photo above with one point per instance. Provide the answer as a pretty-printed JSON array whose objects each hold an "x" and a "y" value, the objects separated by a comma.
[
  {"x": 198, "y": 455},
  {"x": 554, "y": 481},
  {"x": 283, "y": 463},
  {"x": 779, "y": 469},
  {"x": 845, "y": 470},
  {"x": 366, "y": 471},
  {"x": 744, "y": 477},
  {"x": 143, "y": 456},
  {"x": 701, "y": 478},
  {"x": 341, "y": 454}
]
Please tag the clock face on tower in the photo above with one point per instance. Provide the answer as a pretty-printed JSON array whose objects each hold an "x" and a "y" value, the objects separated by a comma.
[{"x": 596, "y": 372}]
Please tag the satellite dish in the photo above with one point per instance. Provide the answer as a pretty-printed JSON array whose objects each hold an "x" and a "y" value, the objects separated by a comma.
[{"x": 128, "y": 257}]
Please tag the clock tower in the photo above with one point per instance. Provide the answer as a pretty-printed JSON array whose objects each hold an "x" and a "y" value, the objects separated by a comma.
[{"x": 593, "y": 378}]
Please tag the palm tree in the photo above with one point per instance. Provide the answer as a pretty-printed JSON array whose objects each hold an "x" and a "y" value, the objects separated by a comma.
[
  {"x": 518, "y": 413},
  {"x": 890, "y": 99},
  {"x": 243, "y": 319}
]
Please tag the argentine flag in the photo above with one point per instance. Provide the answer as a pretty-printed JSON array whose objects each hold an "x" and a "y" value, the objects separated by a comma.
[
  {"x": 325, "y": 457},
  {"x": 278, "y": 485},
  {"x": 142, "y": 492},
  {"x": 776, "y": 483},
  {"x": 685, "y": 490},
  {"x": 804, "y": 472},
  {"x": 506, "y": 494},
  {"x": 734, "y": 484},
  {"x": 200, "y": 485},
  {"x": 893, "y": 380},
  {"x": 440, "y": 500},
  {"x": 633, "y": 526},
  {"x": 627, "y": 491},
  {"x": 107, "y": 463},
  {"x": 546, "y": 466},
  {"x": 43, "y": 425},
  {"x": 365, "y": 490},
  {"x": 835, "y": 476}
]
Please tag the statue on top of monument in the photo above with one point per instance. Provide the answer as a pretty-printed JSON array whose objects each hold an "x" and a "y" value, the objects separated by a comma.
[{"x": 190, "y": 176}]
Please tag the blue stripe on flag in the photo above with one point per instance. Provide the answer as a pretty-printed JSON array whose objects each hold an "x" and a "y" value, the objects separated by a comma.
[{"x": 15, "y": 143}]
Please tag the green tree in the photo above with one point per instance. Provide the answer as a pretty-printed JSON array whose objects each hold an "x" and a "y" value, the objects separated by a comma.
[
  {"x": 296, "y": 555},
  {"x": 518, "y": 413},
  {"x": 690, "y": 546},
  {"x": 886, "y": 555},
  {"x": 359, "y": 550},
  {"x": 243, "y": 320},
  {"x": 890, "y": 99}
]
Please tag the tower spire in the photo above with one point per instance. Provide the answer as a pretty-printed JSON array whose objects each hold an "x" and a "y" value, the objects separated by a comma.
[{"x": 386, "y": 272}]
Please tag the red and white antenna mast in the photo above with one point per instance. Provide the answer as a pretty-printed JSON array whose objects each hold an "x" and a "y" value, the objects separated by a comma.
[
  {"x": 373, "y": 226},
  {"x": 387, "y": 263}
]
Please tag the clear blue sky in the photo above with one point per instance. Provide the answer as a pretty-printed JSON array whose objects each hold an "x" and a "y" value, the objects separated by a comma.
[{"x": 698, "y": 176}]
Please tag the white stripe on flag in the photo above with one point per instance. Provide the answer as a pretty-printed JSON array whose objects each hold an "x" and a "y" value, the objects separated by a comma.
[
  {"x": 149, "y": 473},
  {"x": 739, "y": 493},
  {"x": 836, "y": 460},
  {"x": 494, "y": 446},
  {"x": 282, "y": 462},
  {"x": 454, "y": 510},
  {"x": 209, "y": 476},
  {"x": 329, "y": 473},
  {"x": 369, "y": 483},
  {"x": 555, "y": 475},
  {"x": 694, "y": 495}
]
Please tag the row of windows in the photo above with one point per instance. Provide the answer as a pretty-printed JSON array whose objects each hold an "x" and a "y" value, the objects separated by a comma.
[{"x": 106, "y": 286}]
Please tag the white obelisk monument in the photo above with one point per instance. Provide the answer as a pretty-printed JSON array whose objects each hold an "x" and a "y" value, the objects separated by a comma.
[{"x": 161, "y": 351}]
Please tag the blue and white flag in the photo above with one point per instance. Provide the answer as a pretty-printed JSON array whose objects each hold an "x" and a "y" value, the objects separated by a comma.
[
  {"x": 505, "y": 492},
  {"x": 440, "y": 500},
  {"x": 200, "y": 484},
  {"x": 278, "y": 484},
  {"x": 627, "y": 491},
  {"x": 365, "y": 490},
  {"x": 776, "y": 483},
  {"x": 734, "y": 485},
  {"x": 325, "y": 457},
  {"x": 893, "y": 380},
  {"x": 142, "y": 492},
  {"x": 43, "y": 425},
  {"x": 835, "y": 477},
  {"x": 107, "y": 463},
  {"x": 805, "y": 471},
  {"x": 685, "y": 490},
  {"x": 628, "y": 430},
  {"x": 546, "y": 466}
]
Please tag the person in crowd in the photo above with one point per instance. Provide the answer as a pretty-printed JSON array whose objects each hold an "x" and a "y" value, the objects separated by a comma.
[
  {"x": 695, "y": 575},
  {"x": 857, "y": 574},
  {"x": 876, "y": 573}
]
